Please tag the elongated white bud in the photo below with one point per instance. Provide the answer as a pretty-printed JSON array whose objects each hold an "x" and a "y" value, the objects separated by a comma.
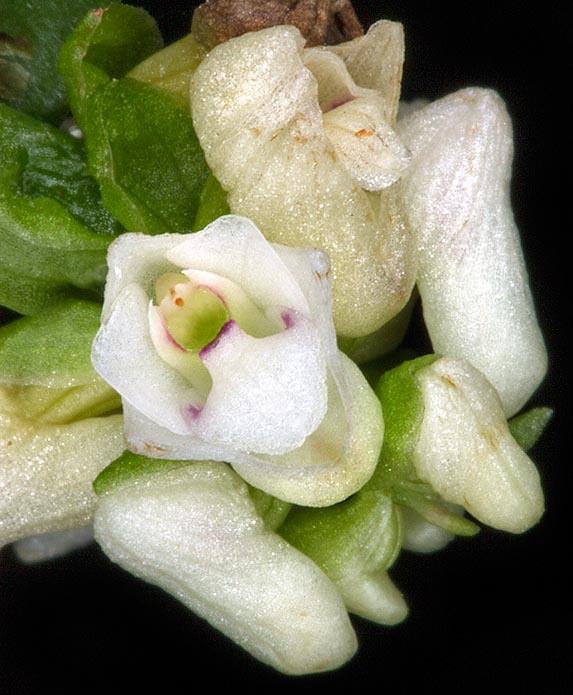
[{"x": 471, "y": 275}]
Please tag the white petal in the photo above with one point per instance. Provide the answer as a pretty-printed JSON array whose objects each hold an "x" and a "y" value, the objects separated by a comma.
[
  {"x": 136, "y": 259},
  {"x": 472, "y": 276},
  {"x": 124, "y": 355},
  {"x": 332, "y": 464},
  {"x": 373, "y": 596},
  {"x": 234, "y": 248},
  {"x": 268, "y": 394},
  {"x": 337, "y": 459},
  {"x": 195, "y": 533},
  {"x": 466, "y": 452},
  {"x": 366, "y": 145},
  {"x": 376, "y": 60},
  {"x": 420, "y": 536}
]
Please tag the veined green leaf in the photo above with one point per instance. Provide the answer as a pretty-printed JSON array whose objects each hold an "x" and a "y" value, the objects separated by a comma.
[
  {"x": 31, "y": 35},
  {"x": 106, "y": 44},
  {"x": 39, "y": 160},
  {"x": 41, "y": 242},
  {"x": 52, "y": 349},
  {"x": 146, "y": 157}
]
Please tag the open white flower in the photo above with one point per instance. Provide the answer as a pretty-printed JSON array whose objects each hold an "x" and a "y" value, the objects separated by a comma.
[
  {"x": 222, "y": 347},
  {"x": 311, "y": 156},
  {"x": 471, "y": 276}
]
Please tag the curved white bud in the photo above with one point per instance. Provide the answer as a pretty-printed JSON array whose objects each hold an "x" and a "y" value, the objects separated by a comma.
[
  {"x": 466, "y": 452},
  {"x": 472, "y": 276},
  {"x": 195, "y": 533}
]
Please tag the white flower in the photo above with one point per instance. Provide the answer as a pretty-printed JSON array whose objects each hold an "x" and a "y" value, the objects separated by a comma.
[
  {"x": 471, "y": 272},
  {"x": 222, "y": 347},
  {"x": 312, "y": 158}
]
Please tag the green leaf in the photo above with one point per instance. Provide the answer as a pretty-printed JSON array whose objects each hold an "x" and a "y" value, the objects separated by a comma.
[
  {"x": 106, "y": 45},
  {"x": 54, "y": 228},
  {"x": 526, "y": 428},
  {"x": 171, "y": 68},
  {"x": 52, "y": 349},
  {"x": 212, "y": 203},
  {"x": 39, "y": 160},
  {"x": 42, "y": 243},
  {"x": 130, "y": 468},
  {"x": 31, "y": 35},
  {"x": 28, "y": 295},
  {"x": 144, "y": 152}
]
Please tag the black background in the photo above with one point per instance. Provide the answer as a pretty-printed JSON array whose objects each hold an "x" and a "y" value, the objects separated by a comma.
[{"x": 492, "y": 610}]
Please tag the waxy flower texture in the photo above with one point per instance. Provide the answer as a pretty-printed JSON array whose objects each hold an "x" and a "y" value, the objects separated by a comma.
[{"x": 233, "y": 420}]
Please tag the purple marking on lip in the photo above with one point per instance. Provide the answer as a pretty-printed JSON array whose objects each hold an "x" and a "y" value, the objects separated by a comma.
[
  {"x": 193, "y": 412},
  {"x": 171, "y": 340},
  {"x": 227, "y": 327},
  {"x": 288, "y": 318}
]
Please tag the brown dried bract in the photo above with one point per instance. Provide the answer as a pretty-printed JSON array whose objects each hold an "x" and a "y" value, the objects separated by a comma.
[{"x": 321, "y": 22}]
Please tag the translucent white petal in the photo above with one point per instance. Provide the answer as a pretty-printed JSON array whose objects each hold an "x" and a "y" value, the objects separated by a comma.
[
  {"x": 53, "y": 544},
  {"x": 335, "y": 85},
  {"x": 124, "y": 355},
  {"x": 234, "y": 248},
  {"x": 466, "y": 452},
  {"x": 337, "y": 459},
  {"x": 366, "y": 145},
  {"x": 268, "y": 394},
  {"x": 188, "y": 364},
  {"x": 472, "y": 276},
  {"x": 376, "y": 60},
  {"x": 332, "y": 463},
  {"x": 195, "y": 533},
  {"x": 420, "y": 536},
  {"x": 136, "y": 258},
  {"x": 373, "y": 596}
]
